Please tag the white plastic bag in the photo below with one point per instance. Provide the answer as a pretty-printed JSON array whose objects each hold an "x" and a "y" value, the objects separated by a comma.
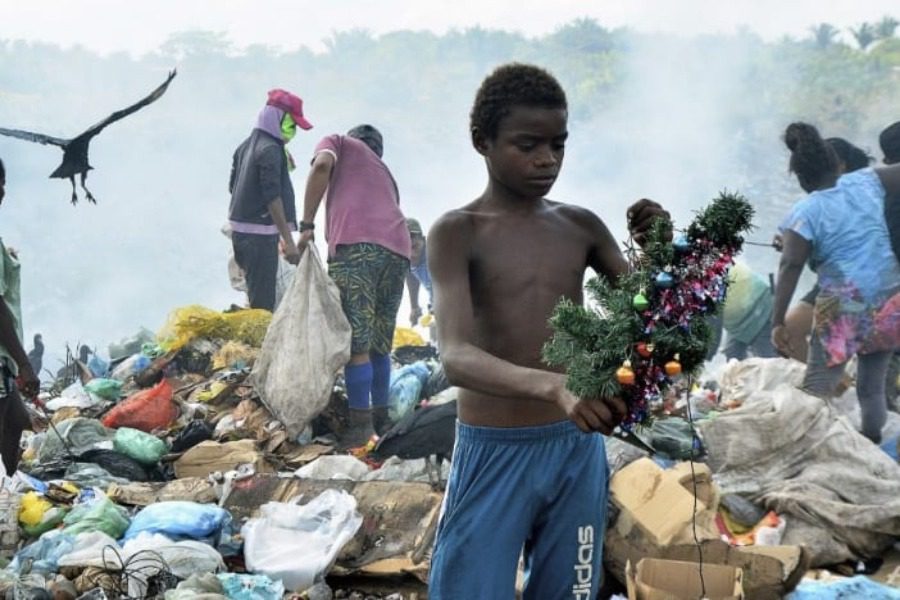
[
  {"x": 337, "y": 466},
  {"x": 307, "y": 342},
  {"x": 284, "y": 277},
  {"x": 298, "y": 544}
]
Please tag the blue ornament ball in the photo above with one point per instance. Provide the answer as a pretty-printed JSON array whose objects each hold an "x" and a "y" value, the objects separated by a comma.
[
  {"x": 681, "y": 244},
  {"x": 664, "y": 280}
]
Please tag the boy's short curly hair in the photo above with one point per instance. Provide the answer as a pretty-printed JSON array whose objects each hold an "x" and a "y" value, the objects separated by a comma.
[{"x": 513, "y": 85}]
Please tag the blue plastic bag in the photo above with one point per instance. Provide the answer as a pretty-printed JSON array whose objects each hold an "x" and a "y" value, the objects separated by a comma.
[
  {"x": 406, "y": 389},
  {"x": 45, "y": 553},
  {"x": 855, "y": 587},
  {"x": 180, "y": 520},
  {"x": 250, "y": 587},
  {"x": 98, "y": 367}
]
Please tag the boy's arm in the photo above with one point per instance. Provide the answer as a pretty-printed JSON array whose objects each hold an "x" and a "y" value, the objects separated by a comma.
[{"x": 470, "y": 367}]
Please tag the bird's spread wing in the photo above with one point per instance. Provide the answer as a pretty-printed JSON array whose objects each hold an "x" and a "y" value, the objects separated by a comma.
[
  {"x": 39, "y": 138},
  {"x": 121, "y": 114}
]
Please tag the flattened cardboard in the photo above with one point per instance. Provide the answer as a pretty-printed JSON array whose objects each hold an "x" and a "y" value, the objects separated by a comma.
[
  {"x": 659, "y": 501},
  {"x": 656, "y": 579},
  {"x": 769, "y": 572},
  {"x": 208, "y": 457}
]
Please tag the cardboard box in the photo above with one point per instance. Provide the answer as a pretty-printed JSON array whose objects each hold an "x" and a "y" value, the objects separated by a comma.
[
  {"x": 656, "y": 579},
  {"x": 661, "y": 501},
  {"x": 769, "y": 572}
]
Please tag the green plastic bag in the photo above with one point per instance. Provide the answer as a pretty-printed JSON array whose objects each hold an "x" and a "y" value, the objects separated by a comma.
[
  {"x": 52, "y": 519},
  {"x": 108, "y": 389},
  {"x": 100, "y": 514},
  {"x": 142, "y": 447}
]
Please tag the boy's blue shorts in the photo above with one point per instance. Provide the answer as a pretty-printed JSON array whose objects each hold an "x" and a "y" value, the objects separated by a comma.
[{"x": 538, "y": 489}]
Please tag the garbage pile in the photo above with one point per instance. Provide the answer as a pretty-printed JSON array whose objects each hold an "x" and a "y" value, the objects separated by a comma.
[
  {"x": 781, "y": 482},
  {"x": 158, "y": 472}
]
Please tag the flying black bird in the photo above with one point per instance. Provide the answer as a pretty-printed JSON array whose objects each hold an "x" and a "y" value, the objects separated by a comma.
[
  {"x": 423, "y": 433},
  {"x": 75, "y": 150}
]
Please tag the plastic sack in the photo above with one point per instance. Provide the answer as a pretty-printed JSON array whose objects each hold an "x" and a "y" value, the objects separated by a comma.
[
  {"x": 406, "y": 389},
  {"x": 51, "y": 519},
  {"x": 183, "y": 557},
  {"x": 37, "y": 515},
  {"x": 179, "y": 520},
  {"x": 97, "y": 366},
  {"x": 283, "y": 279},
  {"x": 99, "y": 514},
  {"x": 672, "y": 438},
  {"x": 75, "y": 396},
  {"x": 199, "y": 586},
  {"x": 189, "y": 322},
  {"x": 32, "y": 508},
  {"x": 337, "y": 466},
  {"x": 195, "y": 432},
  {"x": 81, "y": 435},
  {"x": 298, "y": 544},
  {"x": 87, "y": 475},
  {"x": 250, "y": 587},
  {"x": 116, "y": 464},
  {"x": 308, "y": 341},
  {"x": 42, "y": 556},
  {"x": 146, "y": 410},
  {"x": 88, "y": 551},
  {"x": 130, "y": 367},
  {"x": 142, "y": 447},
  {"x": 854, "y": 587},
  {"x": 108, "y": 389}
]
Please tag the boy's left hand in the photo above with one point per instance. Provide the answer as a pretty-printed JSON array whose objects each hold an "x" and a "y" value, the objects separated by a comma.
[{"x": 641, "y": 215}]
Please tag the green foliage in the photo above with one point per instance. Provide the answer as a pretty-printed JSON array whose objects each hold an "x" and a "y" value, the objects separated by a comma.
[
  {"x": 592, "y": 343},
  {"x": 723, "y": 221}
]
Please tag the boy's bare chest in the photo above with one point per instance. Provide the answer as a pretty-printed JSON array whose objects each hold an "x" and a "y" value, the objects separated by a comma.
[{"x": 528, "y": 262}]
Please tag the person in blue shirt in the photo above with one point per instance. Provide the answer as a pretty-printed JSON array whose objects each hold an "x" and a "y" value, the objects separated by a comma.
[
  {"x": 839, "y": 228},
  {"x": 418, "y": 275}
]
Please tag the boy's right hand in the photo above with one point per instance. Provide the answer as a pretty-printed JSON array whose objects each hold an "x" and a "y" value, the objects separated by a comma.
[{"x": 592, "y": 414}]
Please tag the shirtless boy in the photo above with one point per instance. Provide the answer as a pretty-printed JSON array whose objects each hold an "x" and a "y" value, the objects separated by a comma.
[{"x": 529, "y": 470}]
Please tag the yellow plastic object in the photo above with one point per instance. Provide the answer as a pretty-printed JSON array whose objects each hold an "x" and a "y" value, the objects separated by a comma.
[
  {"x": 248, "y": 326},
  {"x": 214, "y": 390},
  {"x": 32, "y": 508},
  {"x": 190, "y": 322},
  {"x": 404, "y": 336},
  {"x": 234, "y": 354},
  {"x": 426, "y": 320}
]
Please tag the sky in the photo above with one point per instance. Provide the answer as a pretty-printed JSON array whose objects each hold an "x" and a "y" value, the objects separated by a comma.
[
  {"x": 121, "y": 265},
  {"x": 138, "y": 27}
]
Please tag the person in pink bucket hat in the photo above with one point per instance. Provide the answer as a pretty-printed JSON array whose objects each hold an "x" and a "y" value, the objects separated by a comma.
[{"x": 262, "y": 206}]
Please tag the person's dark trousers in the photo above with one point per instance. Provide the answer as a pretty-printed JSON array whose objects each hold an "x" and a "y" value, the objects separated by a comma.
[
  {"x": 13, "y": 421},
  {"x": 257, "y": 256}
]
